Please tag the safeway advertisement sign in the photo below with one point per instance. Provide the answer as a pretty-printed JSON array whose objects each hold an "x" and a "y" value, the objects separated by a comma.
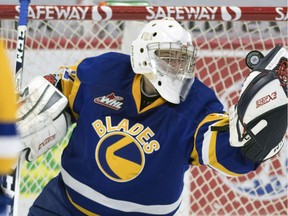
[
  {"x": 103, "y": 12},
  {"x": 194, "y": 13}
]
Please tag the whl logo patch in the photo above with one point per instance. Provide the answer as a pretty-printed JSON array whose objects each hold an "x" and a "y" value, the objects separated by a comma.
[{"x": 111, "y": 101}]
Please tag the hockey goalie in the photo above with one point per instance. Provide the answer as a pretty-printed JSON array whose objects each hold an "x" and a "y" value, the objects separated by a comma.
[{"x": 141, "y": 121}]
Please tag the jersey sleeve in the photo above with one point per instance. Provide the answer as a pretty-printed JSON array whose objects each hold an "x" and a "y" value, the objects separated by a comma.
[
  {"x": 212, "y": 148},
  {"x": 9, "y": 140}
]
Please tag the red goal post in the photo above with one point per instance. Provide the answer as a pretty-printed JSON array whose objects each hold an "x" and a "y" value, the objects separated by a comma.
[{"x": 61, "y": 35}]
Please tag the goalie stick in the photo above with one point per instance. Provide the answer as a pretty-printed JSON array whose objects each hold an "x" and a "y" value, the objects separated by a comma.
[
  {"x": 12, "y": 184},
  {"x": 21, "y": 39}
]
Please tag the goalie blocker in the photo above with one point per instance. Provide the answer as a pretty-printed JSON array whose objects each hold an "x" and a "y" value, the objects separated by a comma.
[
  {"x": 42, "y": 121},
  {"x": 258, "y": 122}
]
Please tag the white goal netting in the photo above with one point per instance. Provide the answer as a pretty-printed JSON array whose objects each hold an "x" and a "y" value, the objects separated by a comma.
[{"x": 224, "y": 35}]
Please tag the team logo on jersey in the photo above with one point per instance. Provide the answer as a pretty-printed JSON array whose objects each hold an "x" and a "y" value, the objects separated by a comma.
[
  {"x": 113, "y": 160},
  {"x": 111, "y": 101},
  {"x": 120, "y": 152}
]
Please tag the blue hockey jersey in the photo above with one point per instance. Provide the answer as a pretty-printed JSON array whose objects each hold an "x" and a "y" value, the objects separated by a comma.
[{"x": 121, "y": 160}]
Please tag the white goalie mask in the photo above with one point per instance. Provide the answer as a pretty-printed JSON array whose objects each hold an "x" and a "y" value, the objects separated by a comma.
[{"x": 164, "y": 53}]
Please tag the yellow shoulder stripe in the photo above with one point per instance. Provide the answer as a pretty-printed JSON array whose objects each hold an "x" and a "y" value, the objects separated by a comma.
[
  {"x": 73, "y": 94},
  {"x": 213, "y": 162},
  {"x": 211, "y": 117}
]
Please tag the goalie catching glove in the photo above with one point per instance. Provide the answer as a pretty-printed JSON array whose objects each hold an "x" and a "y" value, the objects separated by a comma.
[
  {"x": 42, "y": 121},
  {"x": 259, "y": 121}
]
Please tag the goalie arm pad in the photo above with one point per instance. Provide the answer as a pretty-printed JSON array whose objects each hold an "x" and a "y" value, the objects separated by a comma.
[
  {"x": 42, "y": 121},
  {"x": 258, "y": 121}
]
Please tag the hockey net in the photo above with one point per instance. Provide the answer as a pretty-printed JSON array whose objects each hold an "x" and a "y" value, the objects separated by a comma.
[{"x": 62, "y": 35}]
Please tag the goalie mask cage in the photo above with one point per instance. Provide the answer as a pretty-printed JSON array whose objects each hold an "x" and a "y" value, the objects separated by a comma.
[{"x": 62, "y": 35}]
